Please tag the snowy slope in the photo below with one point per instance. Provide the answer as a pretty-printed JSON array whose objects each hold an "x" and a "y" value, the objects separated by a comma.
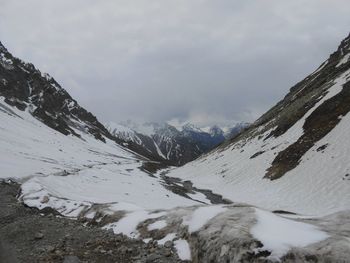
[
  {"x": 57, "y": 167},
  {"x": 296, "y": 157}
]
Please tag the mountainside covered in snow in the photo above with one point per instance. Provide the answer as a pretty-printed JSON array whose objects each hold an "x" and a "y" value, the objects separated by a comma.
[
  {"x": 279, "y": 191},
  {"x": 174, "y": 146},
  {"x": 295, "y": 157},
  {"x": 26, "y": 88}
]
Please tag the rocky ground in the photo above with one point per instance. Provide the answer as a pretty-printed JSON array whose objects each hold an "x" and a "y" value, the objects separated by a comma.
[{"x": 26, "y": 235}]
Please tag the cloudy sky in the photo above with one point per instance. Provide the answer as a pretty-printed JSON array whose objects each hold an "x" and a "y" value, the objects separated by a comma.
[{"x": 202, "y": 61}]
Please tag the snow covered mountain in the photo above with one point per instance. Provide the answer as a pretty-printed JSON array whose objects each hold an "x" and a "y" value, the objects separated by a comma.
[
  {"x": 296, "y": 156},
  {"x": 173, "y": 146},
  {"x": 231, "y": 132},
  {"x": 26, "y": 88},
  {"x": 279, "y": 191}
]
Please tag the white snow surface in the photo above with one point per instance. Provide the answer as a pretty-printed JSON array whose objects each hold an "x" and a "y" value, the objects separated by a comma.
[
  {"x": 315, "y": 187},
  {"x": 157, "y": 225},
  {"x": 128, "y": 224},
  {"x": 70, "y": 174},
  {"x": 168, "y": 237},
  {"x": 183, "y": 249},
  {"x": 279, "y": 234},
  {"x": 344, "y": 60},
  {"x": 199, "y": 197}
]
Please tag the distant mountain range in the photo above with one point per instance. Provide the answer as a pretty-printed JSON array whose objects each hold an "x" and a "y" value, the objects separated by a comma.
[{"x": 177, "y": 146}]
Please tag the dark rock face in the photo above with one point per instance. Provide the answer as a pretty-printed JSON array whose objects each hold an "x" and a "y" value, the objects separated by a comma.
[
  {"x": 24, "y": 86},
  {"x": 323, "y": 119},
  {"x": 316, "y": 126}
]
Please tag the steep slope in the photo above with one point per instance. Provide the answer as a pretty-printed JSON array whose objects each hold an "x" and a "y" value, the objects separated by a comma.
[
  {"x": 64, "y": 150},
  {"x": 296, "y": 156},
  {"x": 26, "y": 88}
]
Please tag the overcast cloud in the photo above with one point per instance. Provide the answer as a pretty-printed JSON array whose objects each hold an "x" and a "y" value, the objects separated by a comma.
[{"x": 203, "y": 61}]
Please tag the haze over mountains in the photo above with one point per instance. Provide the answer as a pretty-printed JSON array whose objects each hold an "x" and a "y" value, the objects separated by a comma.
[{"x": 277, "y": 191}]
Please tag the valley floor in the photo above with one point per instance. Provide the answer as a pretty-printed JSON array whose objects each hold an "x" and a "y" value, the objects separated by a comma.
[
  {"x": 27, "y": 235},
  {"x": 119, "y": 212},
  {"x": 215, "y": 233}
]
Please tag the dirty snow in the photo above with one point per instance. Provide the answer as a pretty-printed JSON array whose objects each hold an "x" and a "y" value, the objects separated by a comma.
[
  {"x": 168, "y": 237},
  {"x": 279, "y": 234},
  {"x": 157, "y": 225},
  {"x": 128, "y": 224},
  {"x": 201, "y": 216}
]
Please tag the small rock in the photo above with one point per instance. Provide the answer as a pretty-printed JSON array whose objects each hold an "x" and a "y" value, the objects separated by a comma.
[
  {"x": 41, "y": 250},
  {"x": 152, "y": 258},
  {"x": 71, "y": 259},
  {"x": 168, "y": 244},
  {"x": 50, "y": 249},
  {"x": 45, "y": 200},
  {"x": 167, "y": 253},
  {"x": 118, "y": 238},
  {"x": 188, "y": 185},
  {"x": 38, "y": 235}
]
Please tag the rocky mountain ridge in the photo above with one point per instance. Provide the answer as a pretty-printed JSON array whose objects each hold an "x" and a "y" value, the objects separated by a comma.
[
  {"x": 176, "y": 146},
  {"x": 28, "y": 89}
]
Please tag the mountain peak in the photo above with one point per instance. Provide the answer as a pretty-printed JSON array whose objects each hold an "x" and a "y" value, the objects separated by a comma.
[
  {"x": 216, "y": 131},
  {"x": 191, "y": 127},
  {"x": 2, "y": 47}
]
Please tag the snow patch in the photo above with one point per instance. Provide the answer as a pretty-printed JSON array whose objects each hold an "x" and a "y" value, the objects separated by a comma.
[
  {"x": 168, "y": 237},
  {"x": 279, "y": 234},
  {"x": 128, "y": 224},
  {"x": 344, "y": 60},
  {"x": 201, "y": 216},
  {"x": 157, "y": 225},
  {"x": 183, "y": 249}
]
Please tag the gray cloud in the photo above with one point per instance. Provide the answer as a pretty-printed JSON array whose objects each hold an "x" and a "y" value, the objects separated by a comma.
[{"x": 201, "y": 60}]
